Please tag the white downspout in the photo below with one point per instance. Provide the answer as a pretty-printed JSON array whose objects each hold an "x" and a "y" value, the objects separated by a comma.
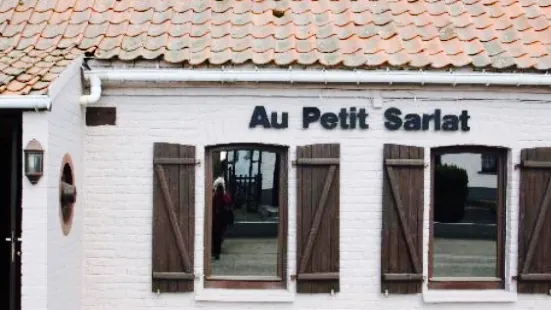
[{"x": 95, "y": 91}]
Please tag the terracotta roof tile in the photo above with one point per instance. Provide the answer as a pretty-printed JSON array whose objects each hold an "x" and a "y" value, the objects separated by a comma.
[
  {"x": 75, "y": 30},
  {"x": 542, "y": 63},
  {"x": 106, "y": 54},
  {"x": 87, "y": 43},
  {"x": 178, "y": 43},
  {"x": 159, "y": 17},
  {"x": 15, "y": 86},
  {"x": 141, "y": 17},
  {"x": 104, "y": 5},
  {"x": 539, "y": 23},
  {"x": 413, "y": 46},
  {"x": 130, "y": 55},
  {"x": 97, "y": 18},
  {"x": 238, "y": 58},
  {"x": 80, "y": 16},
  {"x": 39, "y": 38},
  {"x": 93, "y": 31},
  {"x": 524, "y": 62},
  {"x": 157, "y": 42},
  {"x": 33, "y": 29},
  {"x": 26, "y": 42},
  {"x": 116, "y": 18},
  {"x": 113, "y": 42},
  {"x": 39, "y": 86},
  {"x": 120, "y": 6},
  {"x": 8, "y": 5}
]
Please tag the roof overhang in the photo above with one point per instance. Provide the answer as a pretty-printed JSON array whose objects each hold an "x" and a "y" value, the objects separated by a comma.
[{"x": 42, "y": 102}]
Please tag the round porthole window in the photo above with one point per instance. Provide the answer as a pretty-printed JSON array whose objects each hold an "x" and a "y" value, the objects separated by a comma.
[{"x": 67, "y": 194}]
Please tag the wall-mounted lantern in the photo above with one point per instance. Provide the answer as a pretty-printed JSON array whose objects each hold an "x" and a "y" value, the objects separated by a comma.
[{"x": 34, "y": 161}]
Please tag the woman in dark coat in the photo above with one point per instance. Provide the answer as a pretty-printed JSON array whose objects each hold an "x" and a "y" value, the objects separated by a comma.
[{"x": 221, "y": 207}]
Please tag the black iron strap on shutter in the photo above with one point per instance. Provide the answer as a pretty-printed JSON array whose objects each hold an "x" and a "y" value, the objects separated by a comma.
[
  {"x": 534, "y": 270},
  {"x": 173, "y": 217},
  {"x": 318, "y": 179},
  {"x": 402, "y": 235}
]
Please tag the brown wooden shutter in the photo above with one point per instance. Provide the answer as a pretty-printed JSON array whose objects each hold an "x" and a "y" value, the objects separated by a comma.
[
  {"x": 534, "y": 239},
  {"x": 318, "y": 201},
  {"x": 402, "y": 234},
  {"x": 173, "y": 217}
]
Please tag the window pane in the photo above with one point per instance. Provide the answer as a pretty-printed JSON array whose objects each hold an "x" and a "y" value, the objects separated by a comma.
[
  {"x": 465, "y": 218},
  {"x": 248, "y": 246},
  {"x": 489, "y": 163}
]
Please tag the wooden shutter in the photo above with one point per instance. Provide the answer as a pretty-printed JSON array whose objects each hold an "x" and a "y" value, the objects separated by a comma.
[
  {"x": 173, "y": 217},
  {"x": 318, "y": 218},
  {"x": 534, "y": 239},
  {"x": 402, "y": 235}
]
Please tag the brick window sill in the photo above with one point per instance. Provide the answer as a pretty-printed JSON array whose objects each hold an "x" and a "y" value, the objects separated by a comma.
[
  {"x": 469, "y": 296},
  {"x": 242, "y": 295}
]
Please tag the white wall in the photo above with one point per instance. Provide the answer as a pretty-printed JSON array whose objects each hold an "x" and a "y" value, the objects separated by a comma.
[
  {"x": 65, "y": 253},
  {"x": 472, "y": 163},
  {"x": 118, "y": 187},
  {"x": 52, "y": 273},
  {"x": 34, "y": 245}
]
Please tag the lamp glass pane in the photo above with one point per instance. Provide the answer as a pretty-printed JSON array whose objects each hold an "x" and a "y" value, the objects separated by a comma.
[{"x": 34, "y": 163}]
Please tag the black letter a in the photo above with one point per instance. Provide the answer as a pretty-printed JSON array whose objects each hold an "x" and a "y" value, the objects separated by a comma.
[{"x": 259, "y": 117}]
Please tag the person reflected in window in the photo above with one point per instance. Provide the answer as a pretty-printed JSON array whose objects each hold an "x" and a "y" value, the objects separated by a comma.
[{"x": 221, "y": 209}]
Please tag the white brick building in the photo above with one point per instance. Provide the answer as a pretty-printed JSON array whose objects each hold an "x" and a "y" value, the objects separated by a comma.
[{"x": 142, "y": 136}]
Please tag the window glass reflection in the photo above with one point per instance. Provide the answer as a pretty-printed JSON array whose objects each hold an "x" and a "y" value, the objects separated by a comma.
[
  {"x": 245, "y": 182},
  {"x": 465, "y": 218}
]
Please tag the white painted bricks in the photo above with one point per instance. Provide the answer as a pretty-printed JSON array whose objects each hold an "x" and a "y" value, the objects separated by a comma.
[
  {"x": 118, "y": 186},
  {"x": 52, "y": 264},
  {"x": 65, "y": 253},
  {"x": 34, "y": 271}
]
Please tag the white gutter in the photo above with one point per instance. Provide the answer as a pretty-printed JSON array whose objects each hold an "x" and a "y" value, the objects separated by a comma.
[
  {"x": 25, "y": 102},
  {"x": 95, "y": 91},
  {"x": 318, "y": 76}
]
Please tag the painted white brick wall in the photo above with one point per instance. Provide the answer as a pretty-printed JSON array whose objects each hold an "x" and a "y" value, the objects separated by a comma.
[
  {"x": 118, "y": 186},
  {"x": 65, "y": 253},
  {"x": 52, "y": 274},
  {"x": 34, "y": 271},
  {"x": 51, "y": 267}
]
